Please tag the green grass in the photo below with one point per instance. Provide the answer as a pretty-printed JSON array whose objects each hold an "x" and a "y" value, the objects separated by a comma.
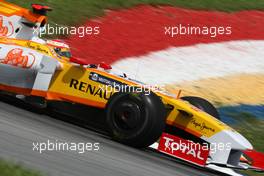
[
  {"x": 252, "y": 128},
  {"x": 10, "y": 169},
  {"x": 75, "y": 12}
]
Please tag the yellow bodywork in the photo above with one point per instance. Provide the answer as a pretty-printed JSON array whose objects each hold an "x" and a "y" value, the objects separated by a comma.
[
  {"x": 93, "y": 93},
  {"x": 73, "y": 83},
  {"x": 8, "y": 8}
]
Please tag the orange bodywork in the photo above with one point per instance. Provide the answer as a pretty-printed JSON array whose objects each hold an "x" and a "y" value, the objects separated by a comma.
[{"x": 8, "y": 9}]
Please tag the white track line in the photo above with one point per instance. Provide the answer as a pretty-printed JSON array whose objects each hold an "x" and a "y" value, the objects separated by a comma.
[{"x": 178, "y": 64}]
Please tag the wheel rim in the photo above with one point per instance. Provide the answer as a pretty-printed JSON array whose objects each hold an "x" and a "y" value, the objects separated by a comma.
[{"x": 126, "y": 115}]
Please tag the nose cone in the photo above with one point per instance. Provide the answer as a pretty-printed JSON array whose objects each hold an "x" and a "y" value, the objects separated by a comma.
[
  {"x": 231, "y": 140},
  {"x": 231, "y": 137},
  {"x": 238, "y": 141}
]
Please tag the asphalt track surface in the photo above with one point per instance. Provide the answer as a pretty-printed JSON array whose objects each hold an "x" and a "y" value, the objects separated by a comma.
[{"x": 19, "y": 128}]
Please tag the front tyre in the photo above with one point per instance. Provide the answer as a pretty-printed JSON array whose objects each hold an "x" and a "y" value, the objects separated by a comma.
[
  {"x": 135, "y": 119},
  {"x": 203, "y": 104}
]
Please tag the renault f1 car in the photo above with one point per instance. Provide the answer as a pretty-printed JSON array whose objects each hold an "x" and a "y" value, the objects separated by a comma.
[{"x": 43, "y": 71}]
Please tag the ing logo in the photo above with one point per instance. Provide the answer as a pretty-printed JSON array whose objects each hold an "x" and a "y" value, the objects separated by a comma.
[
  {"x": 6, "y": 31},
  {"x": 15, "y": 57}
]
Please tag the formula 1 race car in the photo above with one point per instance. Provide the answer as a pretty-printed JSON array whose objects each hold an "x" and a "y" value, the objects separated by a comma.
[{"x": 40, "y": 72}]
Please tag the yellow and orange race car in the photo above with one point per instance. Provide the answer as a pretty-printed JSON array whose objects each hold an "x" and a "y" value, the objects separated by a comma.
[{"x": 41, "y": 72}]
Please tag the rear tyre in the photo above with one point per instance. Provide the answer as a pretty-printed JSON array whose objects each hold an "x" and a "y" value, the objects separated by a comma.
[
  {"x": 135, "y": 119},
  {"x": 203, "y": 104}
]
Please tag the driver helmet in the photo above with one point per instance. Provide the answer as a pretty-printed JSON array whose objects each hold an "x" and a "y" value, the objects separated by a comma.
[{"x": 60, "y": 47}]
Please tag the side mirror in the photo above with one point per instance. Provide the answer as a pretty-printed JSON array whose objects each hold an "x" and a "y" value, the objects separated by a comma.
[
  {"x": 78, "y": 61},
  {"x": 105, "y": 66}
]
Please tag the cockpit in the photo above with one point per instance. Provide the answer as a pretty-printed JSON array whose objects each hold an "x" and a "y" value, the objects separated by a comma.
[
  {"x": 60, "y": 48},
  {"x": 63, "y": 52}
]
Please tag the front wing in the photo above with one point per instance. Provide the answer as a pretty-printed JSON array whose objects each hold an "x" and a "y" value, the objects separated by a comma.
[{"x": 199, "y": 155}]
